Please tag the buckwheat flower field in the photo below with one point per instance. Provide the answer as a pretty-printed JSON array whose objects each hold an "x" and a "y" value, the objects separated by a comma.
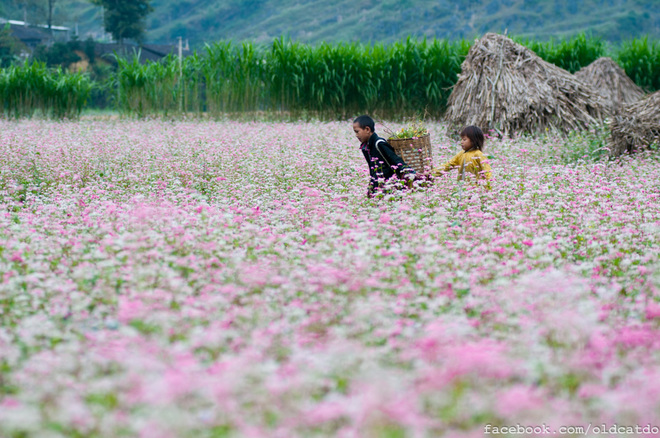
[{"x": 231, "y": 279}]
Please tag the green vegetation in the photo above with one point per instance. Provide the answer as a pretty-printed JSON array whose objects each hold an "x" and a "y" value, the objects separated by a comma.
[
  {"x": 58, "y": 54},
  {"x": 125, "y": 18},
  {"x": 33, "y": 88},
  {"x": 10, "y": 48},
  {"x": 234, "y": 77},
  {"x": 328, "y": 81},
  {"x": 640, "y": 58},
  {"x": 338, "y": 81},
  {"x": 205, "y": 21},
  {"x": 391, "y": 21},
  {"x": 569, "y": 54}
]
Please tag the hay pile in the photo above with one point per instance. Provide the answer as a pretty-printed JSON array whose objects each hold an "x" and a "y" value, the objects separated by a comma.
[
  {"x": 505, "y": 86},
  {"x": 611, "y": 82},
  {"x": 636, "y": 126}
]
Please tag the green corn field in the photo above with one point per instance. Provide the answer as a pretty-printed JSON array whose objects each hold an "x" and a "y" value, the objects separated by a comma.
[
  {"x": 32, "y": 88},
  {"x": 640, "y": 58},
  {"x": 328, "y": 81},
  {"x": 408, "y": 78},
  {"x": 571, "y": 55}
]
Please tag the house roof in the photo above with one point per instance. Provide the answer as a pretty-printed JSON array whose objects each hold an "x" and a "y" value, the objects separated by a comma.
[
  {"x": 147, "y": 52},
  {"x": 43, "y": 26},
  {"x": 164, "y": 49},
  {"x": 28, "y": 34}
]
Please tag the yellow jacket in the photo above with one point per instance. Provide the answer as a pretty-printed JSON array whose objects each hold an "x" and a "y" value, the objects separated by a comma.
[{"x": 473, "y": 161}]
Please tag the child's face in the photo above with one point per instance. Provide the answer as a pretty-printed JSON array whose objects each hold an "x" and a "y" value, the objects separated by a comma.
[
  {"x": 466, "y": 144},
  {"x": 361, "y": 133}
]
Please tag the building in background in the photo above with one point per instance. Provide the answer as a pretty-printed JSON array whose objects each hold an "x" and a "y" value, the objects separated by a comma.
[
  {"x": 33, "y": 35},
  {"x": 39, "y": 38}
]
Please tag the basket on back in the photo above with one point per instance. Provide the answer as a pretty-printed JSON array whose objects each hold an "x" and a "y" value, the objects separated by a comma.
[{"x": 415, "y": 152}]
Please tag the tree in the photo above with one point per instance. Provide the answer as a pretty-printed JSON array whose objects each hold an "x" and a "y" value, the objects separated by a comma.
[
  {"x": 59, "y": 53},
  {"x": 10, "y": 47},
  {"x": 125, "y": 18}
]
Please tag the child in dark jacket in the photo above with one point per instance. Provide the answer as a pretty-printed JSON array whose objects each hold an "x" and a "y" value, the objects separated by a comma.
[{"x": 383, "y": 162}]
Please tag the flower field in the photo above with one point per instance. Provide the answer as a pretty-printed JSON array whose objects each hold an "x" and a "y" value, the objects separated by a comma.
[{"x": 231, "y": 279}]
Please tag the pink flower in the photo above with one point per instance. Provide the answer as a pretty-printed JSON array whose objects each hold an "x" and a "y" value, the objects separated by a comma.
[
  {"x": 130, "y": 309},
  {"x": 9, "y": 403},
  {"x": 653, "y": 310},
  {"x": 517, "y": 399},
  {"x": 326, "y": 411}
]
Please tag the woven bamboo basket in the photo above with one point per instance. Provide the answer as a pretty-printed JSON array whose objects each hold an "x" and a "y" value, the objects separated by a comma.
[{"x": 415, "y": 152}]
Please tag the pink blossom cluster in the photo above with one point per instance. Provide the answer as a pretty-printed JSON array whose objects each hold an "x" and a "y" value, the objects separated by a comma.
[{"x": 231, "y": 279}]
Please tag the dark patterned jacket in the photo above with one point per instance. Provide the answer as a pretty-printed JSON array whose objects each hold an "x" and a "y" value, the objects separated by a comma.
[{"x": 383, "y": 162}]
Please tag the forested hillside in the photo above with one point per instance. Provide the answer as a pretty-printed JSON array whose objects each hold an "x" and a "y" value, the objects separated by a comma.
[{"x": 368, "y": 20}]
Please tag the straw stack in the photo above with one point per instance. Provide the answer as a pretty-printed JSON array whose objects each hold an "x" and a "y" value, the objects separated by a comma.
[
  {"x": 611, "y": 82},
  {"x": 636, "y": 126},
  {"x": 505, "y": 86}
]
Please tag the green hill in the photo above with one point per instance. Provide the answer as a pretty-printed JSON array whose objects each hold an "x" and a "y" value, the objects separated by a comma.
[{"x": 369, "y": 20}]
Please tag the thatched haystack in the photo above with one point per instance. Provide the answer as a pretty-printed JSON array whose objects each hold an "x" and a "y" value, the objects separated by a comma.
[
  {"x": 611, "y": 82},
  {"x": 636, "y": 126},
  {"x": 506, "y": 86}
]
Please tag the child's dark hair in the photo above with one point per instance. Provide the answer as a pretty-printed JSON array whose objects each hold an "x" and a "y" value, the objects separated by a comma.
[
  {"x": 475, "y": 135},
  {"x": 365, "y": 121}
]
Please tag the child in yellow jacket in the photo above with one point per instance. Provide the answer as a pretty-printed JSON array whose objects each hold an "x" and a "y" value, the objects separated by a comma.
[{"x": 470, "y": 160}]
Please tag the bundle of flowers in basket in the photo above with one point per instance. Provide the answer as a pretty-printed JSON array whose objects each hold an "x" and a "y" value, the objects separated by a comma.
[{"x": 413, "y": 144}]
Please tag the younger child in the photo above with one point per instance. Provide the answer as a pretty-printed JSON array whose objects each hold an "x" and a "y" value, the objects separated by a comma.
[
  {"x": 383, "y": 162},
  {"x": 470, "y": 160}
]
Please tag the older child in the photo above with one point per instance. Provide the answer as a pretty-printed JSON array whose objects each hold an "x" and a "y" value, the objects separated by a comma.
[
  {"x": 470, "y": 160},
  {"x": 383, "y": 162}
]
